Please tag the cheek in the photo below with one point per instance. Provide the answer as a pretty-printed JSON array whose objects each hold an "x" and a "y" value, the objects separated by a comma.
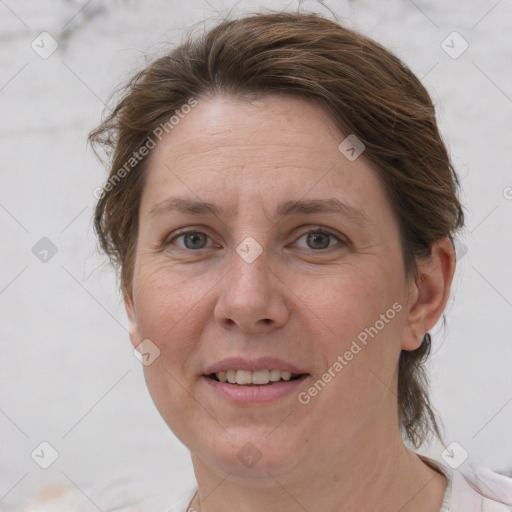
[
  {"x": 358, "y": 315},
  {"x": 168, "y": 308},
  {"x": 345, "y": 303}
]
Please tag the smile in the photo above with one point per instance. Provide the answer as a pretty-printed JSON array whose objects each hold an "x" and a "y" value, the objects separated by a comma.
[
  {"x": 244, "y": 381},
  {"x": 256, "y": 378}
]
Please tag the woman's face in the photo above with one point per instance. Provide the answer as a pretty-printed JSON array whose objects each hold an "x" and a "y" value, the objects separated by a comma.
[{"x": 256, "y": 289}]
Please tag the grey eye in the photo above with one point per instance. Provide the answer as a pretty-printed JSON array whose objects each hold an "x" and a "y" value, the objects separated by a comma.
[
  {"x": 318, "y": 240},
  {"x": 193, "y": 239}
]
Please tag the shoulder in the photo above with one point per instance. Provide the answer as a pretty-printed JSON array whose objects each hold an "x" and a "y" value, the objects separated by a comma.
[
  {"x": 479, "y": 486},
  {"x": 181, "y": 505},
  {"x": 474, "y": 489}
]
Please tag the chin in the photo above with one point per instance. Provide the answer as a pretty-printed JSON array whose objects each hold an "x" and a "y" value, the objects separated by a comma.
[{"x": 253, "y": 460}]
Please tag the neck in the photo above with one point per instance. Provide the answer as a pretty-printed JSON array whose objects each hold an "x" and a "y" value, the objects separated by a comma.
[{"x": 371, "y": 473}]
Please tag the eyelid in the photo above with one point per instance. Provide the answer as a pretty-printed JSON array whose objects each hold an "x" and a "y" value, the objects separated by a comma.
[
  {"x": 184, "y": 231},
  {"x": 204, "y": 230},
  {"x": 323, "y": 230}
]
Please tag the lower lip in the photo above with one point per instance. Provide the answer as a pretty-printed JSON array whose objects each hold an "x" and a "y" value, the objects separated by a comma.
[{"x": 247, "y": 395}]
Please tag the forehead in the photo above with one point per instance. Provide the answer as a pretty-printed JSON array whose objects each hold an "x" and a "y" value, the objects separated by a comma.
[
  {"x": 271, "y": 126},
  {"x": 274, "y": 148}
]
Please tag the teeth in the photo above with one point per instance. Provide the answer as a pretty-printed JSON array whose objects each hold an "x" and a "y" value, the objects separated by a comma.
[
  {"x": 275, "y": 375},
  {"x": 243, "y": 377},
  {"x": 260, "y": 377},
  {"x": 246, "y": 377}
]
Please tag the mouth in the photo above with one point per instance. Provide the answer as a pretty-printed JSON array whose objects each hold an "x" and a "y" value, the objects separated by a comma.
[
  {"x": 258, "y": 378},
  {"x": 252, "y": 382}
]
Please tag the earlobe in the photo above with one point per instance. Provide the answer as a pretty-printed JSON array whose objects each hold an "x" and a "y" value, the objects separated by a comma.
[
  {"x": 132, "y": 320},
  {"x": 429, "y": 294}
]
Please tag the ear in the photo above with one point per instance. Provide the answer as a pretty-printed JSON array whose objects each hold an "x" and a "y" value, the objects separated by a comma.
[
  {"x": 429, "y": 294},
  {"x": 132, "y": 320}
]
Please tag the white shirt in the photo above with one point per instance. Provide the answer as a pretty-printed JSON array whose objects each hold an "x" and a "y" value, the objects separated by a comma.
[
  {"x": 475, "y": 489},
  {"x": 472, "y": 489}
]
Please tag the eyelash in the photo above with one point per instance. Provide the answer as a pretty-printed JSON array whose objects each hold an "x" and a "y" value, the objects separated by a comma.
[{"x": 316, "y": 230}]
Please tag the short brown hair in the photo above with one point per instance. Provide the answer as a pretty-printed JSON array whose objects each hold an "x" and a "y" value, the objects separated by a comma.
[{"x": 368, "y": 92}]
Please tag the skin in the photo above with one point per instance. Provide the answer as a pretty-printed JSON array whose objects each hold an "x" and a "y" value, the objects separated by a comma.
[{"x": 297, "y": 301}]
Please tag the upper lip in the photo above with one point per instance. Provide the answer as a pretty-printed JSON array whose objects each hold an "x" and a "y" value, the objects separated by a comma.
[{"x": 261, "y": 363}]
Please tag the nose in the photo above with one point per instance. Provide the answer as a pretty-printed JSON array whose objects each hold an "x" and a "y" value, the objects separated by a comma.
[{"x": 253, "y": 296}]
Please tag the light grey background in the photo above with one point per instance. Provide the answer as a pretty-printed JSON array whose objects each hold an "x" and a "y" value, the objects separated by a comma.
[{"x": 68, "y": 374}]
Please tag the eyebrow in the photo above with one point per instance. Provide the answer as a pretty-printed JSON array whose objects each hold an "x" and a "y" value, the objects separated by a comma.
[{"x": 287, "y": 208}]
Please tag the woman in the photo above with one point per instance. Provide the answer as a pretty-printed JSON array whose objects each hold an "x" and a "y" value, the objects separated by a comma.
[{"x": 281, "y": 207}]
